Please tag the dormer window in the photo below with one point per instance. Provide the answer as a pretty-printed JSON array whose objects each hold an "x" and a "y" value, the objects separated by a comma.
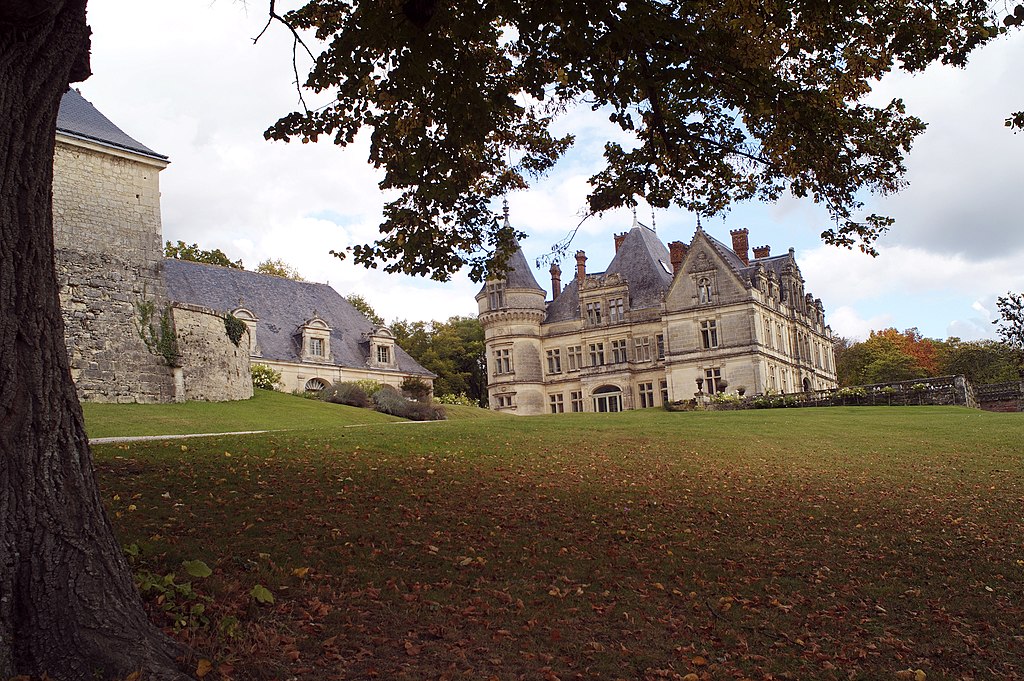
[
  {"x": 496, "y": 295},
  {"x": 704, "y": 290},
  {"x": 382, "y": 348},
  {"x": 316, "y": 340}
]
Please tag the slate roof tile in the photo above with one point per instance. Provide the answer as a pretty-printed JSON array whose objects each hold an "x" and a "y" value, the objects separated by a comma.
[{"x": 79, "y": 118}]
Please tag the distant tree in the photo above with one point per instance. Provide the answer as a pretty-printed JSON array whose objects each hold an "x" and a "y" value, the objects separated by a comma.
[
  {"x": 454, "y": 350},
  {"x": 183, "y": 251},
  {"x": 981, "y": 361},
  {"x": 887, "y": 355},
  {"x": 278, "y": 268},
  {"x": 363, "y": 305},
  {"x": 1011, "y": 319}
]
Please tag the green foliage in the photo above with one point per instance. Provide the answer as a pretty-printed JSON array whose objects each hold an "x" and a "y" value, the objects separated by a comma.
[
  {"x": 235, "y": 328},
  {"x": 719, "y": 102},
  {"x": 417, "y": 389},
  {"x": 460, "y": 400},
  {"x": 278, "y": 268},
  {"x": 349, "y": 393},
  {"x": 389, "y": 400},
  {"x": 453, "y": 350},
  {"x": 158, "y": 333},
  {"x": 363, "y": 305},
  {"x": 178, "y": 601},
  {"x": 264, "y": 377},
  {"x": 369, "y": 386},
  {"x": 183, "y": 251},
  {"x": 980, "y": 361},
  {"x": 1011, "y": 320},
  {"x": 262, "y": 594}
]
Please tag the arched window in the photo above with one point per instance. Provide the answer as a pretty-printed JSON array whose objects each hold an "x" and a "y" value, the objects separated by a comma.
[
  {"x": 315, "y": 385},
  {"x": 807, "y": 385},
  {"x": 607, "y": 398},
  {"x": 704, "y": 290}
]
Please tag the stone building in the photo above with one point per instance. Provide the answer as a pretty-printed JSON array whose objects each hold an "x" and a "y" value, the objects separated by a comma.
[
  {"x": 658, "y": 324},
  {"x": 306, "y": 331}
]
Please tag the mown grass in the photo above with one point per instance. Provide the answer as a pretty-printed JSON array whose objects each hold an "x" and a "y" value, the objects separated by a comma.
[{"x": 815, "y": 543}]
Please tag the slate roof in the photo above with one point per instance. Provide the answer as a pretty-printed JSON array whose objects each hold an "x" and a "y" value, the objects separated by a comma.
[
  {"x": 79, "y": 118},
  {"x": 519, "y": 274},
  {"x": 282, "y": 306}
]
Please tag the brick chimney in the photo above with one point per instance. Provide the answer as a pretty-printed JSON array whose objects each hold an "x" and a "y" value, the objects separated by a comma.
[
  {"x": 761, "y": 252},
  {"x": 677, "y": 253},
  {"x": 581, "y": 266},
  {"x": 556, "y": 280},
  {"x": 619, "y": 238},
  {"x": 740, "y": 245}
]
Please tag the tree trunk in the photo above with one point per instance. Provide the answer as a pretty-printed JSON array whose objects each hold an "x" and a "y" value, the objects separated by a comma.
[{"x": 68, "y": 607}]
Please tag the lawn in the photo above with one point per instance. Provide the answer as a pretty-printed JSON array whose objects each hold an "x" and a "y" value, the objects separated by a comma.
[{"x": 841, "y": 543}]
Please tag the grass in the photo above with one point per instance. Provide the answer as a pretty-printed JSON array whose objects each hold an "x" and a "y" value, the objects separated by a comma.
[{"x": 842, "y": 543}]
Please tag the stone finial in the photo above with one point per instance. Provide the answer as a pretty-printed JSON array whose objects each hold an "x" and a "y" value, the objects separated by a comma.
[
  {"x": 740, "y": 243},
  {"x": 581, "y": 266},
  {"x": 556, "y": 280}
]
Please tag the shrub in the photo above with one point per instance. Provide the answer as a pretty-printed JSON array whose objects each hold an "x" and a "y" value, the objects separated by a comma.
[
  {"x": 388, "y": 400},
  {"x": 422, "y": 411},
  {"x": 369, "y": 386},
  {"x": 417, "y": 389},
  {"x": 264, "y": 378},
  {"x": 461, "y": 400},
  {"x": 234, "y": 327},
  {"x": 346, "y": 393}
]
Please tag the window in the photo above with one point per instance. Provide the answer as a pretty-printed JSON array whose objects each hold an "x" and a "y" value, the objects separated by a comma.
[
  {"x": 576, "y": 400},
  {"x": 607, "y": 398},
  {"x": 383, "y": 354},
  {"x": 704, "y": 290},
  {"x": 556, "y": 403},
  {"x": 316, "y": 385},
  {"x": 593, "y": 313},
  {"x": 503, "y": 401},
  {"x": 646, "y": 393},
  {"x": 642, "y": 349},
  {"x": 596, "y": 354},
  {"x": 663, "y": 385},
  {"x": 711, "y": 379},
  {"x": 316, "y": 347},
  {"x": 503, "y": 361},
  {"x": 616, "y": 311},
  {"x": 709, "y": 334},
  {"x": 619, "y": 351},
  {"x": 575, "y": 357},
  {"x": 660, "y": 340},
  {"x": 554, "y": 361},
  {"x": 772, "y": 385},
  {"x": 496, "y": 295}
]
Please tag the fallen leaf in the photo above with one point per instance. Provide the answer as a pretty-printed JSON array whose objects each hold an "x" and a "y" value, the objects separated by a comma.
[{"x": 203, "y": 668}]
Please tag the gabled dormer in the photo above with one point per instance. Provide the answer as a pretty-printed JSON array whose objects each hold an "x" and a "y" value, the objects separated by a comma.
[
  {"x": 707, "y": 276},
  {"x": 381, "y": 348},
  {"x": 316, "y": 339}
]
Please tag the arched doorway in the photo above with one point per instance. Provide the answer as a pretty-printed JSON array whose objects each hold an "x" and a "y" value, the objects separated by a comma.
[
  {"x": 807, "y": 385},
  {"x": 607, "y": 398}
]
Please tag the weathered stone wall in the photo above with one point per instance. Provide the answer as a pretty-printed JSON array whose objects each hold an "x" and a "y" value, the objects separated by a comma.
[
  {"x": 213, "y": 368},
  {"x": 106, "y": 219}
]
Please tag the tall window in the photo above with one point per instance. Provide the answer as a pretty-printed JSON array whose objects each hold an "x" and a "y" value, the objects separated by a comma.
[
  {"x": 642, "y": 348},
  {"x": 772, "y": 385},
  {"x": 316, "y": 347},
  {"x": 557, "y": 403},
  {"x": 709, "y": 333},
  {"x": 616, "y": 311},
  {"x": 554, "y": 361},
  {"x": 619, "y": 351},
  {"x": 663, "y": 385},
  {"x": 711, "y": 379},
  {"x": 704, "y": 290},
  {"x": 503, "y": 361},
  {"x": 596, "y": 354},
  {"x": 646, "y": 393},
  {"x": 660, "y": 340},
  {"x": 496, "y": 295},
  {"x": 576, "y": 400},
  {"x": 594, "y": 313},
  {"x": 574, "y": 356},
  {"x": 383, "y": 354}
]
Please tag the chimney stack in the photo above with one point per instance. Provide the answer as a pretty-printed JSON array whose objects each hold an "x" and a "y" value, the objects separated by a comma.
[
  {"x": 619, "y": 238},
  {"x": 556, "y": 280},
  {"x": 761, "y": 252},
  {"x": 677, "y": 253},
  {"x": 740, "y": 245},
  {"x": 581, "y": 266}
]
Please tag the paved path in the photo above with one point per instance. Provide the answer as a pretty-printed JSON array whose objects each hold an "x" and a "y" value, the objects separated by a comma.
[{"x": 143, "y": 438}]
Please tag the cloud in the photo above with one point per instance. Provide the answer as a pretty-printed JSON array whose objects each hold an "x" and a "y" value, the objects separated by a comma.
[{"x": 848, "y": 323}]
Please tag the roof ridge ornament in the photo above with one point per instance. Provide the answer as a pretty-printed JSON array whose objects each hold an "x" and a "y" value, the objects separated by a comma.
[
  {"x": 699, "y": 228},
  {"x": 504, "y": 210}
]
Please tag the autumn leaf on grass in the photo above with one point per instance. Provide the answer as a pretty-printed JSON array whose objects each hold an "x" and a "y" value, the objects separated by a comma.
[
  {"x": 203, "y": 668},
  {"x": 262, "y": 594},
  {"x": 911, "y": 675},
  {"x": 300, "y": 572},
  {"x": 411, "y": 649},
  {"x": 197, "y": 568}
]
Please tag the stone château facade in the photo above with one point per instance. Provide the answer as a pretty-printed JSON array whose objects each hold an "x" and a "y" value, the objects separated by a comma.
[{"x": 659, "y": 324}]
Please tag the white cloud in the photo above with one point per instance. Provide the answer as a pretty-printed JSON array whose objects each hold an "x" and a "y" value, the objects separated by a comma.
[{"x": 848, "y": 323}]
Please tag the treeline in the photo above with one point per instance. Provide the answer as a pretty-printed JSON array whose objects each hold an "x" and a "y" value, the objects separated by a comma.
[
  {"x": 454, "y": 350},
  {"x": 892, "y": 355}
]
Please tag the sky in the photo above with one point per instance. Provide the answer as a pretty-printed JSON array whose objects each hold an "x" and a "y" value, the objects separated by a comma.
[{"x": 186, "y": 79}]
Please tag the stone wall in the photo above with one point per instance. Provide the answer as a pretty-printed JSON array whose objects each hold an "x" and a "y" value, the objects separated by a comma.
[
  {"x": 107, "y": 236},
  {"x": 213, "y": 368}
]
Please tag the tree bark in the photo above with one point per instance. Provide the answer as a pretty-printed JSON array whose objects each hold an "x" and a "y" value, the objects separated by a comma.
[{"x": 68, "y": 606}]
